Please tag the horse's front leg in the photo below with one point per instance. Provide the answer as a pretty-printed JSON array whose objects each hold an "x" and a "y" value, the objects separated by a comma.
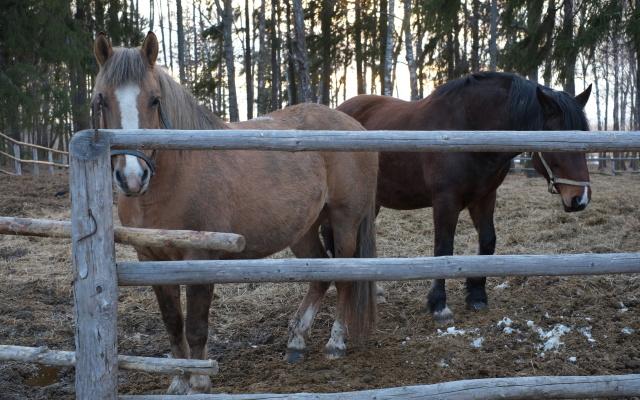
[
  {"x": 173, "y": 319},
  {"x": 197, "y": 331},
  {"x": 481, "y": 213},
  {"x": 445, "y": 217}
]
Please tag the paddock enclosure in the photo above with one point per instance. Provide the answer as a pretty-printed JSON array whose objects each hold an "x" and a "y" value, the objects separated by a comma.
[{"x": 534, "y": 326}]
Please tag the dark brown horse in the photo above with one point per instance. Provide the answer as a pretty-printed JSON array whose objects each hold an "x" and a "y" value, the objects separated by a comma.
[
  {"x": 275, "y": 199},
  {"x": 451, "y": 182}
]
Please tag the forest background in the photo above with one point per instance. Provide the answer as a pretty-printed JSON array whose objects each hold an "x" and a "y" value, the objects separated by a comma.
[{"x": 244, "y": 58}]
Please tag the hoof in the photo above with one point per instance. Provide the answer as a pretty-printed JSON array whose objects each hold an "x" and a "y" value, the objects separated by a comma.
[
  {"x": 444, "y": 317},
  {"x": 296, "y": 355},
  {"x": 381, "y": 295},
  {"x": 179, "y": 386},
  {"x": 335, "y": 354},
  {"x": 199, "y": 384},
  {"x": 476, "y": 305}
]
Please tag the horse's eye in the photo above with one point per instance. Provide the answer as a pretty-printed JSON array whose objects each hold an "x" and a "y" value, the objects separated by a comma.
[{"x": 155, "y": 102}]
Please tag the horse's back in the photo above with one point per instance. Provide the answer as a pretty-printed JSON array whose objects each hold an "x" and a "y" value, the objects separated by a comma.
[{"x": 304, "y": 116}]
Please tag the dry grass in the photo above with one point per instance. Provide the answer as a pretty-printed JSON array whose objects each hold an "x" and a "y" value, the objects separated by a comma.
[{"x": 249, "y": 322}]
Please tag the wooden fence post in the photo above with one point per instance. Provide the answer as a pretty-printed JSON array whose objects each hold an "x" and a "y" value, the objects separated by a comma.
[
  {"x": 50, "y": 159},
  {"x": 36, "y": 168},
  {"x": 16, "y": 154},
  {"x": 94, "y": 269}
]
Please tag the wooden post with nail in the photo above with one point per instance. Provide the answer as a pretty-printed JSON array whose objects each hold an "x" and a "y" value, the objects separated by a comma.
[{"x": 94, "y": 270}]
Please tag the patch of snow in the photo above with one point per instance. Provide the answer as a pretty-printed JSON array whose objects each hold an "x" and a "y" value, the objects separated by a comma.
[
  {"x": 503, "y": 285},
  {"x": 587, "y": 332},
  {"x": 552, "y": 337},
  {"x": 627, "y": 331},
  {"x": 451, "y": 331},
  {"x": 478, "y": 342}
]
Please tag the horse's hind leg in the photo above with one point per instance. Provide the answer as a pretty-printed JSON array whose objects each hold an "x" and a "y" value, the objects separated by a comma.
[
  {"x": 481, "y": 213},
  {"x": 308, "y": 246},
  {"x": 356, "y": 305}
]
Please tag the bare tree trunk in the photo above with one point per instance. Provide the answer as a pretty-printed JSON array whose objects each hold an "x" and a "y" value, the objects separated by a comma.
[
  {"x": 262, "y": 59},
  {"x": 276, "y": 84},
  {"x": 227, "y": 21},
  {"x": 164, "y": 50},
  {"x": 570, "y": 67},
  {"x": 475, "y": 36},
  {"x": 170, "y": 35},
  {"x": 596, "y": 84},
  {"x": 360, "y": 78},
  {"x": 181, "y": 63},
  {"x": 300, "y": 54},
  {"x": 325, "y": 23},
  {"x": 411, "y": 62},
  {"x": 388, "y": 54},
  {"x": 292, "y": 86},
  {"x": 493, "y": 46},
  {"x": 194, "y": 79},
  {"x": 248, "y": 63},
  {"x": 151, "y": 14}
]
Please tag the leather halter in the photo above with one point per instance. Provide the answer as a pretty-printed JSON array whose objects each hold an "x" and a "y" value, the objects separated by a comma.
[
  {"x": 151, "y": 162},
  {"x": 553, "y": 178}
]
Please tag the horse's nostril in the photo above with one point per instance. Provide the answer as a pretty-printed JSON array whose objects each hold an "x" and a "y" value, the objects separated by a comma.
[
  {"x": 119, "y": 178},
  {"x": 145, "y": 175},
  {"x": 577, "y": 204}
]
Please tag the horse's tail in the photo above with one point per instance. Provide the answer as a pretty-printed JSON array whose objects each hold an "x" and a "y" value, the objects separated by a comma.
[{"x": 361, "y": 312}]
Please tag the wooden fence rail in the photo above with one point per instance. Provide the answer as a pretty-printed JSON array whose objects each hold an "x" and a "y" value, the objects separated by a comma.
[
  {"x": 125, "y": 235},
  {"x": 18, "y": 161},
  {"x": 527, "y": 388},
  {"x": 96, "y": 276}
]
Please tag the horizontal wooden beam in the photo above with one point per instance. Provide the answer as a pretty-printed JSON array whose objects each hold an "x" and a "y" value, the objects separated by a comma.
[
  {"x": 35, "y": 146},
  {"x": 372, "y": 269},
  {"x": 43, "y": 355},
  {"x": 293, "y": 140},
  {"x": 134, "y": 236},
  {"x": 525, "y": 388}
]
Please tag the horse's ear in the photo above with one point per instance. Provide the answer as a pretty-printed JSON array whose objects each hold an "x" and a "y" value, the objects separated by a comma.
[
  {"x": 102, "y": 49},
  {"x": 150, "y": 48},
  {"x": 584, "y": 96},
  {"x": 550, "y": 107}
]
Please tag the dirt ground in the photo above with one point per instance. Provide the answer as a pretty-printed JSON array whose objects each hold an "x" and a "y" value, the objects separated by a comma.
[{"x": 584, "y": 325}]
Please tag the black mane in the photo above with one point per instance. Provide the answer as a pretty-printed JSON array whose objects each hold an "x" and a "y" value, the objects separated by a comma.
[{"x": 525, "y": 111}]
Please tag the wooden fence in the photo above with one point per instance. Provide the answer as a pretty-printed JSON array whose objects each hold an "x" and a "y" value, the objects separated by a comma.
[
  {"x": 97, "y": 278},
  {"x": 34, "y": 162}
]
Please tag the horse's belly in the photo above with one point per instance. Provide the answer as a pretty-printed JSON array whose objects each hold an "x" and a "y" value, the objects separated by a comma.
[{"x": 401, "y": 182}]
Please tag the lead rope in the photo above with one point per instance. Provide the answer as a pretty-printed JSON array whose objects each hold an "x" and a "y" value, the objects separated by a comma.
[{"x": 553, "y": 178}]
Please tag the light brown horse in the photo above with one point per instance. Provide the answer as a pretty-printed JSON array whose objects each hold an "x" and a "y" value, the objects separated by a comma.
[
  {"x": 275, "y": 199},
  {"x": 451, "y": 182}
]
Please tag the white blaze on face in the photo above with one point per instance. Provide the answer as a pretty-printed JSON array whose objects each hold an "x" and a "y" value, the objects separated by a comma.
[
  {"x": 127, "y": 97},
  {"x": 585, "y": 196}
]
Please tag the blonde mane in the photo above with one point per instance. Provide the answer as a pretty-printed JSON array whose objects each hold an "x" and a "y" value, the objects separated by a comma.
[
  {"x": 127, "y": 66},
  {"x": 182, "y": 109}
]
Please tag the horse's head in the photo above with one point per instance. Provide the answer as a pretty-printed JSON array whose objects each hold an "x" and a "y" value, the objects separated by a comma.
[
  {"x": 128, "y": 94},
  {"x": 566, "y": 173}
]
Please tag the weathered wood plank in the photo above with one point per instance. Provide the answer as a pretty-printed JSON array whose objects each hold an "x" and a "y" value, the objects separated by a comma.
[
  {"x": 527, "y": 388},
  {"x": 95, "y": 280},
  {"x": 43, "y": 355},
  {"x": 135, "y": 236},
  {"x": 375, "y": 269},
  {"x": 437, "y": 141}
]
